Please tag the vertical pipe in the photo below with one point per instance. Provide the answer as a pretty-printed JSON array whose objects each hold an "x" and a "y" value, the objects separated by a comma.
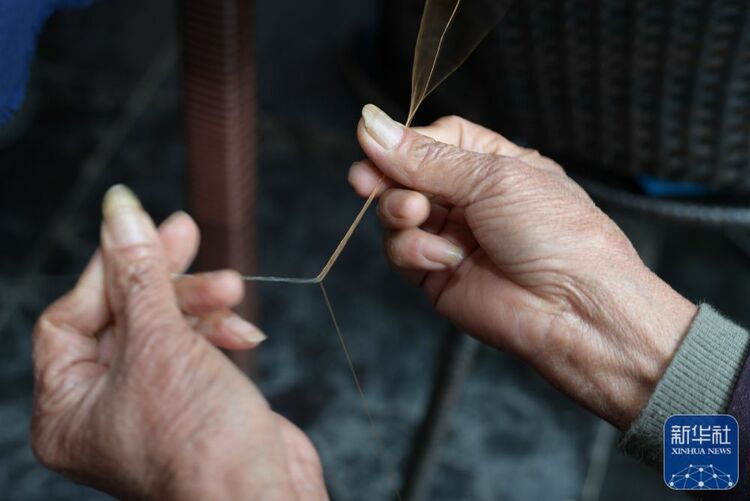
[
  {"x": 453, "y": 370},
  {"x": 220, "y": 113}
]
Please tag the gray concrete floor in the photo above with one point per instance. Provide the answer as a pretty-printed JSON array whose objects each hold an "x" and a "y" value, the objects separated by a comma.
[{"x": 512, "y": 436}]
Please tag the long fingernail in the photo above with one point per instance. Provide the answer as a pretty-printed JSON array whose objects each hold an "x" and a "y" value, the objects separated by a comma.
[
  {"x": 442, "y": 252},
  {"x": 386, "y": 131},
  {"x": 244, "y": 331},
  {"x": 124, "y": 219}
]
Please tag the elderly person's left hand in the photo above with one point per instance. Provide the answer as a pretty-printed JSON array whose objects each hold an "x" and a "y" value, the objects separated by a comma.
[{"x": 132, "y": 396}]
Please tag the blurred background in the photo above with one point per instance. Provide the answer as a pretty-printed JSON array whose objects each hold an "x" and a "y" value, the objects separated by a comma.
[{"x": 106, "y": 105}]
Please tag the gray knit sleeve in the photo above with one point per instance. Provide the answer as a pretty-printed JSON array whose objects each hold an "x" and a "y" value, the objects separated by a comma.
[{"x": 699, "y": 380}]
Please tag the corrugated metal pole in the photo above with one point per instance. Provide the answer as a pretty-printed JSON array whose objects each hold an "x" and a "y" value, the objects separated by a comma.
[{"x": 220, "y": 114}]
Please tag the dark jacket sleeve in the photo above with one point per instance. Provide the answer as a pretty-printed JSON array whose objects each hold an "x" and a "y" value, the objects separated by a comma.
[{"x": 739, "y": 407}]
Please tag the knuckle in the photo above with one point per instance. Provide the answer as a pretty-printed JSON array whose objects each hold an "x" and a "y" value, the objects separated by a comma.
[
  {"x": 396, "y": 208},
  {"x": 393, "y": 251},
  {"x": 553, "y": 166},
  {"x": 478, "y": 176},
  {"x": 44, "y": 346},
  {"x": 423, "y": 152},
  {"x": 45, "y": 379},
  {"x": 412, "y": 247},
  {"x": 383, "y": 211},
  {"x": 535, "y": 159},
  {"x": 138, "y": 271},
  {"x": 46, "y": 320},
  {"x": 403, "y": 249},
  {"x": 390, "y": 251},
  {"x": 204, "y": 293},
  {"x": 155, "y": 339},
  {"x": 196, "y": 292},
  {"x": 400, "y": 213},
  {"x": 503, "y": 175},
  {"x": 529, "y": 154},
  {"x": 170, "y": 359},
  {"x": 427, "y": 155},
  {"x": 449, "y": 121},
  {"x": 42, "y": 325}
]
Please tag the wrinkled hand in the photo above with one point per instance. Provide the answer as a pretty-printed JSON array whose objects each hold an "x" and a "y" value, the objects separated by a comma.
[
  {"x": 131, "y": 395},
  {"x": 510, "y": 249}
]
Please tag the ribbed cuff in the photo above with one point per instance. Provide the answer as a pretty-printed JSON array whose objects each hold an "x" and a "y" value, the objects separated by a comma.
[{"x": 699, "y": 380}]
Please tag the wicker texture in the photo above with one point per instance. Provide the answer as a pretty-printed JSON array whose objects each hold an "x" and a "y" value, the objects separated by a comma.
[{"x": 634, "y": 87}]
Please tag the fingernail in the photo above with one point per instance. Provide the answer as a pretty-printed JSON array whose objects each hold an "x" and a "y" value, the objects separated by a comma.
[
  {"x": 442, "y": 252},
  {"x": 244, "y": 331},
  {"x": 124, "y": 219},
  {"x": 386, "y": 131}
]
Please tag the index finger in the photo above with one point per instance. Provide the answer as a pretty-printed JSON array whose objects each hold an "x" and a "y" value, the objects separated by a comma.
[{"x": 469, "y": 136}]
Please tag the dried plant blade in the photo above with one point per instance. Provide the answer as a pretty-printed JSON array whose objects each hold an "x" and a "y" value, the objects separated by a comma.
[
  {"x": 358, "y": 385},
  {"x": 449, "y": 32}
]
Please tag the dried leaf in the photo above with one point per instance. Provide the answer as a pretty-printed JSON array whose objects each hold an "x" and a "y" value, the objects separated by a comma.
[{"x": 449, "y": 32}]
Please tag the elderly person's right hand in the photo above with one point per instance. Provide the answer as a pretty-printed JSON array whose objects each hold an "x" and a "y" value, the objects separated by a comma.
[
  {"x": 131, "y": 394},
  {"x": 513, "y": 251}
]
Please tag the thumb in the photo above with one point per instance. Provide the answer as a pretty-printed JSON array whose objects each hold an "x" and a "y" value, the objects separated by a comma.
[
  {"x": 423, "y": 164},
  {"x": 137, "y": 278}
]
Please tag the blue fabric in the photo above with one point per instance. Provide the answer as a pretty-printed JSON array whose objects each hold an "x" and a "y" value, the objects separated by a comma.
[
  {"x": 656, "y": 187},
  {"x": 20, "y": 23}
]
